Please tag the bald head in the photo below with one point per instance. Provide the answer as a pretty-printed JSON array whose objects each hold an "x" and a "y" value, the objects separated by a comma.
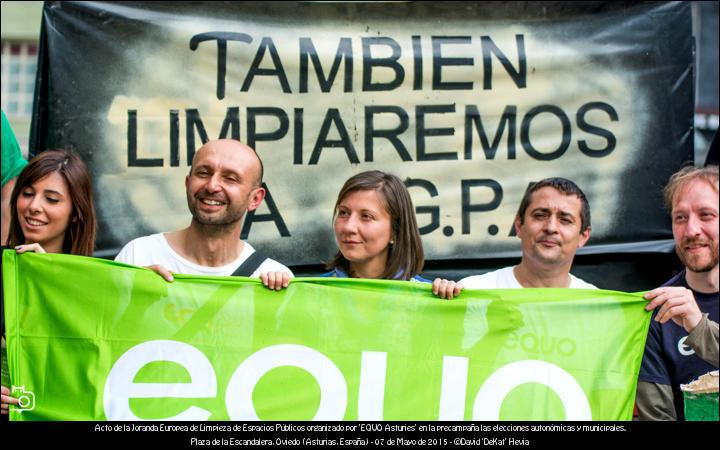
[
  {"x": 234, "y": 153},
  {"x": 223, "y": 184}
]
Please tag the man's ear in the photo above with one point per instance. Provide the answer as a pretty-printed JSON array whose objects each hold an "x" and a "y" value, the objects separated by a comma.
[
  {"x": 517, "y": 225},
  {"x": 584, "y": 236},
  {"x": 256, "y": 198}
]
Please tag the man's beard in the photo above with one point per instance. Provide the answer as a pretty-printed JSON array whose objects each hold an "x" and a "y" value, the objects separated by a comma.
[
  {"x": 692, "y": 262},
  {"x": 229, "y": 218}
]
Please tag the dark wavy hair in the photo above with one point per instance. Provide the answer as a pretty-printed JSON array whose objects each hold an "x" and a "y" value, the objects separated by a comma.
[
  {"x": 80, "y": 234},
  {"x": 563, "y": 185},
  {"x": 406, "y": 255}
]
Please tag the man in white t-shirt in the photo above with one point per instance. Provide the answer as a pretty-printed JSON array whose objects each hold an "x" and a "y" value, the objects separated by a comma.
[
  {"x": 224, "y": 182},
  {"x": 553, "y": 221}
]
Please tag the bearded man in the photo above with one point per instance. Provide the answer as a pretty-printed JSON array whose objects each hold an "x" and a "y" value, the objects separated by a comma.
[
  {"x": 224, "y": 182},
  {"x": 682, "y": 343}
]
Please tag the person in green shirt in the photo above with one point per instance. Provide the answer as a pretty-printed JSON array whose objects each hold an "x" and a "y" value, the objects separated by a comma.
[{"x": 12, "y": 164}]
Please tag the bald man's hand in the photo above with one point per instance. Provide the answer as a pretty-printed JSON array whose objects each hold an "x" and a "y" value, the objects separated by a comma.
[
  {"x": 275, "y": 280},
  {"x": 163, "y": 272}
]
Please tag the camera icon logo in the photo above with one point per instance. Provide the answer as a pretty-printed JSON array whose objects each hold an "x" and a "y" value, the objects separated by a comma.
[{"x": 26, "y": 399}]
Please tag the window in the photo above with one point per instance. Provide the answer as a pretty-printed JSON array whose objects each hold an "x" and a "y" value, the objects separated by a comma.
[{"x": 19, "y": 64}]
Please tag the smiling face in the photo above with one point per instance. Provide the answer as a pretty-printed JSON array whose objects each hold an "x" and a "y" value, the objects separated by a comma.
[
  {"x": 223, "y": 183},
  {"x": 550, "y": 231},
  {"x": 695, "y": 226},
  {"x": 363, "y": 232},
  {"x": 44, "y": 209}
]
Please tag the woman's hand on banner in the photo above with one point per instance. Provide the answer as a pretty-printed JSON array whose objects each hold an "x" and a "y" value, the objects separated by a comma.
[
  {"x": 7, "y": 400},
  {"x": 37, "y": 248},
  {"x": 446, "y": 288}
]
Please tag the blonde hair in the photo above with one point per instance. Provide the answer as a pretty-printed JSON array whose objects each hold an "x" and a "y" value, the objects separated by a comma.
[{"x": 684, "y": 176}]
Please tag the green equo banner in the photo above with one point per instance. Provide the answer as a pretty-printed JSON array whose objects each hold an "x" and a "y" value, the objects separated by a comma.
[{"x": 90, "y": 339}]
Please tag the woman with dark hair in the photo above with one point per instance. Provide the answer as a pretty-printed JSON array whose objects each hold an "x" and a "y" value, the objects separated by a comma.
[
  {"x": 51, "y": 211},
  {"x": 52, "y": 206},
  {"x": 376, "y": 232}
]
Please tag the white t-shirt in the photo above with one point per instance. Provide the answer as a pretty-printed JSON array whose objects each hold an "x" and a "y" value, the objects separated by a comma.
[
  {"x": 505, "y": 279},
  {"x": 155, "y": 249},
  {"x": 476, "y": 324}
]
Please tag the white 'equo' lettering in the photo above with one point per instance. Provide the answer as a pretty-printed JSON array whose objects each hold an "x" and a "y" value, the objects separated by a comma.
[
  {"x": 684, "y": 350},
  {"x": 371, "y": 393},
  {"x": 454, "y": 388},
  {"x": 491, "y": 395},
  {"x": 333, "y": 390},
  {"x": 120, "y": 388}
]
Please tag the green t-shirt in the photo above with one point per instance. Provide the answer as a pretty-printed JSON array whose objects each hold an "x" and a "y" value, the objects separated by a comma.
[{"x": 12, "y": 161}]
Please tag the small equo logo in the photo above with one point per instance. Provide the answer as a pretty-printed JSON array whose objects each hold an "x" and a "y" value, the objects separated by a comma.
[
  {"x": 684, "y": 349},
  {"x": 26, "y": 399}
]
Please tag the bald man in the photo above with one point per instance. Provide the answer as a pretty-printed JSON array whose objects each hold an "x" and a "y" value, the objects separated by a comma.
[{"x": 224, "y": 182}]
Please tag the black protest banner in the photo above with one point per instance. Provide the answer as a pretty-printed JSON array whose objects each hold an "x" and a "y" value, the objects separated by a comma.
[{"x": 468, "y": 102}]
